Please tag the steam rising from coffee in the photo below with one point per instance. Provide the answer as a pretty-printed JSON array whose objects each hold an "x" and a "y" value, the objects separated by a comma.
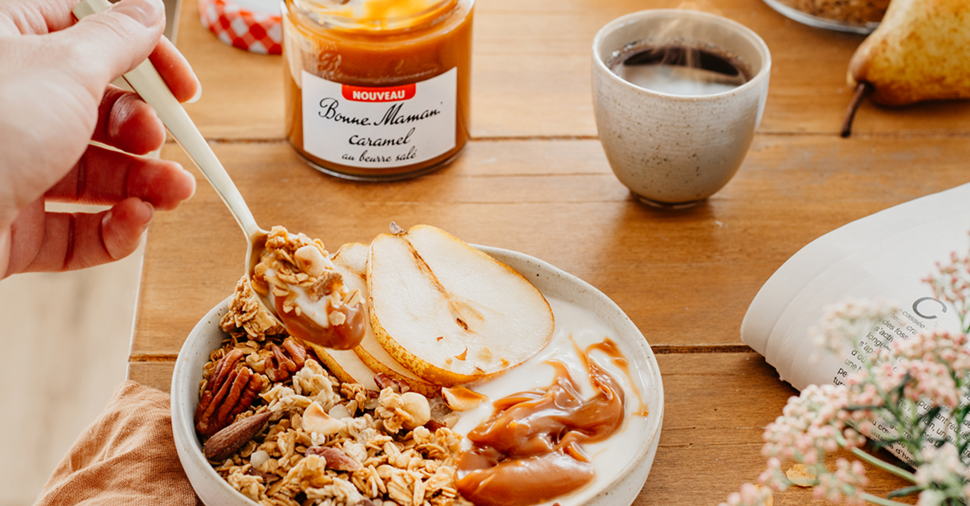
[{"x": 678, "y": 66}]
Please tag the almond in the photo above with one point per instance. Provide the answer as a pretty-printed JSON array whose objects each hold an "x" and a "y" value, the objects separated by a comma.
[
  {"x": 336, "y": 459},
  {"x": 229, "y": 440},
  {"x": 460, "y": 398}
]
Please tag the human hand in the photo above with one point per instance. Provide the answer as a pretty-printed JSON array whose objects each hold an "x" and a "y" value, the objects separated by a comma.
[{"x": 54, "y": 98}]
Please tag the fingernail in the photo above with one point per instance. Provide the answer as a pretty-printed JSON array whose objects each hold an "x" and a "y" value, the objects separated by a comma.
[
  {"x": 198, "y": 94},
  {"x": 146, "y": 12},
  {"x": 151, "y": 212},
  {"x": 191, "y": 178}
]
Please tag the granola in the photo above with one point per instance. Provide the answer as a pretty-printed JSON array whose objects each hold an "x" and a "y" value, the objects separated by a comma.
[
  {"x": 297, "y": 277},
  {"x": 296, "y": 261},
  {"x": 849, "y": 11},
  {"x": 326, "y": 443}
]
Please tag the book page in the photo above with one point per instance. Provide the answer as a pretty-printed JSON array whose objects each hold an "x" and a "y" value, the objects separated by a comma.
[{"x": 881, "y": 257}]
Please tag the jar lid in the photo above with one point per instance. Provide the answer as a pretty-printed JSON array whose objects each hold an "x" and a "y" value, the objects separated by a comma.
[
  {"x": 384, "y": 16},
  {"x": 253, "y": 25}
]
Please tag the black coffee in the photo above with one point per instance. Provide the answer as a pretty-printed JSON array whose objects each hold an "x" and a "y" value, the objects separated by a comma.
[{"x": 679, "y": 68}]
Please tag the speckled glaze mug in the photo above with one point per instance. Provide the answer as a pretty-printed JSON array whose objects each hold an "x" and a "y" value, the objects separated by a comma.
[{"x": 674, "y": 150}]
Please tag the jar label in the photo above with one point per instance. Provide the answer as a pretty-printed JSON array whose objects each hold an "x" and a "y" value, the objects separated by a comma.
[{"x": 379, "y": 127}]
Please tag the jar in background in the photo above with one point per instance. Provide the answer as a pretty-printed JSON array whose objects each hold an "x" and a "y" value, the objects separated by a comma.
[{"x": 377, "y": 89}]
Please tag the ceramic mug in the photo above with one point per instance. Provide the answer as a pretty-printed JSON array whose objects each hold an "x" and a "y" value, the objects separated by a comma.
[{"x": 675, "y": 150}]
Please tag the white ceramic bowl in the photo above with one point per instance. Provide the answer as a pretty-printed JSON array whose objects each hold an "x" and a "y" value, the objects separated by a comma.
[{"x": 621, "y": 490}]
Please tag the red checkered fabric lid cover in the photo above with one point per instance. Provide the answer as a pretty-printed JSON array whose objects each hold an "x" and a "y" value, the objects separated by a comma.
[{"x": 253, "y": 31}]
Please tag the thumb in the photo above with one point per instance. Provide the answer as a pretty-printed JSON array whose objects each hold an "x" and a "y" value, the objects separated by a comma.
[{"x": 103, "y": 46}]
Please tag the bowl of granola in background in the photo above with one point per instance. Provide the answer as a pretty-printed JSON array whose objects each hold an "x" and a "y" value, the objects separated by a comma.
[
  {"x": 619, "y": 485},
  {"x": 854, "y": 16}
]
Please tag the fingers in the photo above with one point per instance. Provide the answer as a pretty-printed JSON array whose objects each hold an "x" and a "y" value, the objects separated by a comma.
[
  {"x": 103, "y": 46},
  {"x": 121, "y": 228},
  {"x": 126, "y": 122},
  {"x": 37, "y": 16},
  {"x": 54, "y": 242},
  {"x": 107, "y": 177},
  {"x": 176, "y": 71}
]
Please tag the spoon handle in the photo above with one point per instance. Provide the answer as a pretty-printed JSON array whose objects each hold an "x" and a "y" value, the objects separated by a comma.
[{"x": 146, "y": 81}]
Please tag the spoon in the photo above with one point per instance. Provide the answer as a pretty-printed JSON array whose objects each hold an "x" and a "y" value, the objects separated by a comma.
[{"x": 147, "y": 82}]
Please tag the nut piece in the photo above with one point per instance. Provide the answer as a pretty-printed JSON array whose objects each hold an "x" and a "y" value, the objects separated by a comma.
[
  {"x": 229, "y": 440},
  {"x": 310, "y": 260},
  {"x": 802, "y": 476},
  {"x": 417, "y": 406},
  {"x": 285, "y": 361},
  {"x": 460, "y": 398},
  {"x": 324, "y": 285},
  {"x": 336, "y": 459},
  {"x": 229, "y": 392},
  {"x": 315, "y": 419},
  {"x": 384, "y": 381}
]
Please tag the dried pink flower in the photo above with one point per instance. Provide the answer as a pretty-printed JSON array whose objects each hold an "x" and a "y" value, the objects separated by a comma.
[
  {"x": 941, "y": 467},
  {"x": 811, "y": 424},
  {"x": 845, "y": 322},
  {"x": 937, "y": 345},
  {"x": 750, "y": 495},
  {"x": 846, "y": 483},
  {"x": 952, "y": 284},
  {"x": 773, "y": 476}
]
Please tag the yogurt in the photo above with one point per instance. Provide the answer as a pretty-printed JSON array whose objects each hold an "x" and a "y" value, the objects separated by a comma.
[{"x": 576, "y": 329}]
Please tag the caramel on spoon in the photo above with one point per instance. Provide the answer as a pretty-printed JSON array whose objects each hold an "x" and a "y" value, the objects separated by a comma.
[{"x": 146, "y": 81}]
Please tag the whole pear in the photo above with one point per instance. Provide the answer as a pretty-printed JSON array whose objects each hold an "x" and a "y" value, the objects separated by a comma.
[{"x": 920, "y": 51}]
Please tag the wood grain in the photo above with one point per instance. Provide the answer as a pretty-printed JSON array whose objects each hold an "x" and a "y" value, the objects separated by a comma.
[
  {"x": 683, "y": 277},
  {"x": 531, "y": 75}
]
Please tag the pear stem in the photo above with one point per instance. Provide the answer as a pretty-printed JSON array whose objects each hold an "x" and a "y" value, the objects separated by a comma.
[{"x": 861, "y": 92}]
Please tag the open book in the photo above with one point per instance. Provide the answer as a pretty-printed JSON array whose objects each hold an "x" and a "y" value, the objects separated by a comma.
[{"x": 881, "y": 257}]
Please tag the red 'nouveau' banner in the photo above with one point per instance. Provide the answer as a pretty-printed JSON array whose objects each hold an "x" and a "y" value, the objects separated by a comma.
[{"x": 387, "y": 94}]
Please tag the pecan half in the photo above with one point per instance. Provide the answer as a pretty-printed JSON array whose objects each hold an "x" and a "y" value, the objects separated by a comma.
[
  {"x": 267, "y": 478},
  {"x": 384, "y": 381},
  {"x": 336, "y": 459},
  {"x": 229, "y": 392},
  {"x": 229, "y": 440},
  {"x": 441, "y": 415},
  {"x": 286, "y": 360}
]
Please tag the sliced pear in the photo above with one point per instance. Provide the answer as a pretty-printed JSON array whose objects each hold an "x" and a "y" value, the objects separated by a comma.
[
  {"x": 346, "y": 366},
  {"x": 351, "y": 262},
  {"x": 353, "y": 257},
  {"x": 450, "y": 313}
]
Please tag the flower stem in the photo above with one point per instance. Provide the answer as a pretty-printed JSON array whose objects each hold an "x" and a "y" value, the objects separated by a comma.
[
  {"x": 875, "y": 499},
  {"x": 885, "y": 466}
]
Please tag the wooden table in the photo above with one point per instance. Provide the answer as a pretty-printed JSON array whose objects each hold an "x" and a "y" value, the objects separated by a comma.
[{"x": 535, "y": 179}]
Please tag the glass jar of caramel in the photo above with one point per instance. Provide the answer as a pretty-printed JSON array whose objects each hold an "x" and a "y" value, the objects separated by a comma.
[{"x": 377, "y": 89}]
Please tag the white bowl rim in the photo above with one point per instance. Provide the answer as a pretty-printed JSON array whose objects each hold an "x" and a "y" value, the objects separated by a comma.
[{"x": 190, "y": 451}]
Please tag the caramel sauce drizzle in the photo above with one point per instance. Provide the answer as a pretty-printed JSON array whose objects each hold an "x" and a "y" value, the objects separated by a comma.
[
  {"x": 609, "y": 347},
  {"x": 530, "y": 449}
]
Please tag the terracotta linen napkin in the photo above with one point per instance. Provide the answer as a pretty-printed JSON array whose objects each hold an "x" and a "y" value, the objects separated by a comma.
[{"x": 127, "y": 456}]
